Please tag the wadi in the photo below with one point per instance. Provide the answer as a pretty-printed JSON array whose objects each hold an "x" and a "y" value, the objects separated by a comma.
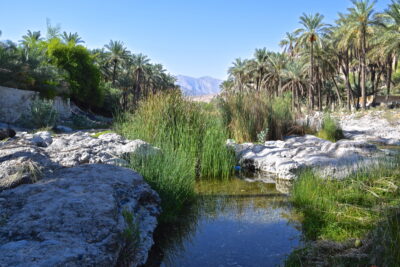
[{"x": 108, "y": 159}]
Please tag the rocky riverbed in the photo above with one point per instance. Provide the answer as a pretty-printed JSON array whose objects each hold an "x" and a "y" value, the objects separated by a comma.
[
  {"x": 377, "y": 126},
  {"x": 362, "y": 131},
  {"x": 64, "y": 201}
]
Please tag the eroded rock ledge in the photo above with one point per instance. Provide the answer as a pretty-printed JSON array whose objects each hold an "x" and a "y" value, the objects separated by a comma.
[
  {"x": 63, "y": 199},
  {"x": 286, "y": 158}
]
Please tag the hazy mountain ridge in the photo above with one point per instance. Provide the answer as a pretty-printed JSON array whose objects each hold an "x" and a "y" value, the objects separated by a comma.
[{"x": 198, "y": 86}]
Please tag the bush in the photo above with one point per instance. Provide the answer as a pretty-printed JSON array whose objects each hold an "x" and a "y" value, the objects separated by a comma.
[
  {"x": 192, "y": 141},
  {"x": 82, "y": 74},
  {"x": 112, "y": 97},
  {"x": 249, "y": 115},
  {"x": 330, "y": 129},
  {"x": 41, "y": 114}
]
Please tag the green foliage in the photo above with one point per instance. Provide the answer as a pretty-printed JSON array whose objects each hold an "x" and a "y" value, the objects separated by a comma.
[
  {"x": 247, "y": 115},
  {"x": 98, "y": 134},
  {"x": 330, "y": 129},
  {"x": 41, "y": 114},
  {"x": 349, "y": 208},
  {"x": 131, "y": 240},
  {"x": 192, "y": 143},
  {"x": 172, "y": 174},
  {"x": 82, "y": 74},
  {"x": 112, "y": 98}
]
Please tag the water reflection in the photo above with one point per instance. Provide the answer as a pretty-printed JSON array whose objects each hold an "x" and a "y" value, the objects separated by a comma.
[{"x": 233, "y": 223}]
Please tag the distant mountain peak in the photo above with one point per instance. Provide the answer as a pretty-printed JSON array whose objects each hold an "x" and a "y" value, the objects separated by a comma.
[{"x": 205, "y": 85}]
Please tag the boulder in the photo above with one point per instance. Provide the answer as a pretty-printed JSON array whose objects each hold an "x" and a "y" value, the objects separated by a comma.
[
  {"x": 7, "y": 133},
  {"x": 287, "y": 158},
  {"x": 77, "y": 217},
  {"x": 59, "y": 208}
]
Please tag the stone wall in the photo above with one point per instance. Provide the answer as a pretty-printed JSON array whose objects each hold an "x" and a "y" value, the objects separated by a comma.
[{"x": 15, "y": 102}]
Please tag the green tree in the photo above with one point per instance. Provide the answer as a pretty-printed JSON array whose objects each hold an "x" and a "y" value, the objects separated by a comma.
[
  {"x": 81, "y": 73},
  {"x": 361, "y": 21},
  {"x": 312, "y": 31},
  {"x": 117, "y": 53}
]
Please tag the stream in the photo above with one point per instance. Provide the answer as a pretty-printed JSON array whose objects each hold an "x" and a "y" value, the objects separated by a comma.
[{"x": 239, "y": 222}]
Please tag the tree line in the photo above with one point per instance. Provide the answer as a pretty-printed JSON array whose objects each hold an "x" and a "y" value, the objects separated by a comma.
[
  {"x": 59, "y": 64},
  {"x": 323, "y": 64}
]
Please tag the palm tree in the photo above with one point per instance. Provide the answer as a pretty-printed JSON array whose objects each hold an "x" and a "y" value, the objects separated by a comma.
[
  {"x": 31, "y": 39},
  {"x": 277, "y": 64},
  {"x": 388, "y": 41},
  {"x": 238, "y": 71},
  {"x": 295, "y": 81},
  {"x": 117, "y": 53},
  {"x": 288, "y": 43},
  {"x": 52, "y": 31},
  {"x": 311, "y": 33},
  {"x": 138, "y": 70},
  {"x": 259, "y": 66},
  {"x": 360, "y": 20},
  {"x": 72, "y": 38}
]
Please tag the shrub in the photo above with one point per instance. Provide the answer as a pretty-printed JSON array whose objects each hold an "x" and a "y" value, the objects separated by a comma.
[
  {"x": 112, "y": 97},
  {"x": 82, "y": 74},
  {"x": 330, "y": 129},
  {"x": 192, "y": 141},
  {"x": 248, "y": 115},
  {"x": 41, "y": 114}
]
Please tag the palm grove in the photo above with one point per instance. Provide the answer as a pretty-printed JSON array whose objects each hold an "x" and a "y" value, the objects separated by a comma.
[
  {"x": 100, "y": 79},
  {"x": 323, "y": 64}
]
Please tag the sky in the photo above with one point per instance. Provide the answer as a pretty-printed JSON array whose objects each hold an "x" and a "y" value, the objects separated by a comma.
[{"x": 194, "y": 38}]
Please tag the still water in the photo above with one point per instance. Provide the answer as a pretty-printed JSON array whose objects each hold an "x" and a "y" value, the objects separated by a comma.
[{"x": 240, "y": 222}]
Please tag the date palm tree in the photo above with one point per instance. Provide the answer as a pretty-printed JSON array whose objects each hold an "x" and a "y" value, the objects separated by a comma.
[
  {"x": 31, "y": 39},
  {"x": 117, "y": 53},
  {"x": 361, "y": 21},
  {"x": 239, "y": 71},
  {"x": 311, "y": 34},
  {"x": 288, "y": 43},
  {"x": 72, "y": 38},
  {"x": 295, "y": 81},
  {"x": 388, "y": 40}
]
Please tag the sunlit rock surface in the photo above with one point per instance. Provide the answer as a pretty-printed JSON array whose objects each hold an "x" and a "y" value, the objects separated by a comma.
[
  {"x": 60, "y": 207},
  {"x": 286, "y": 158}
]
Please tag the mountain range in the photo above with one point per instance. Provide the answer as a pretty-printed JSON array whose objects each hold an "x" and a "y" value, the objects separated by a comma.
[{"x": 198, "y": 86}]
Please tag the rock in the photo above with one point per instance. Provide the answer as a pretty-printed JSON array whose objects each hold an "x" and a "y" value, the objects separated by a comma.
[
  {"x": 42, "y": 139},
  {"x": 74, "y": 217},
  {"x": 62, "y": 129},
  {"x": 287, "y": 158},
  {"x": 377, "y": 126},
  {"x": 53, "y": 215},
  {"x": 80, "y": 148},
  {"x": 7, "y": 133}
]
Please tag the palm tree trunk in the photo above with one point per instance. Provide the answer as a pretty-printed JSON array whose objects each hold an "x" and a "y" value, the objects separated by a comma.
[
  {"x": 363, "y": 70},
  {"x": 337, "y": 91},
  {"x": 114, "y": 73},
  {"x": 388, "y": 75},
  {"x": 310, "y": 89}
]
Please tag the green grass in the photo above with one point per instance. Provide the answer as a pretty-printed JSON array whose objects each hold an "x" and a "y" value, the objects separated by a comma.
[
  {"x": 330, "y": 129},
  {"x": 192, "y": 141},
  {"x": 248, "y": 115},
  {"x": 342, "y": 209},
  {"x": 361, "y": 211},
  {"x": 98, "y": 134}
]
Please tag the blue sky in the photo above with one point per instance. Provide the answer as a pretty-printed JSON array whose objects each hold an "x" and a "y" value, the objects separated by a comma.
[{"x": 195, "y": 38}]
